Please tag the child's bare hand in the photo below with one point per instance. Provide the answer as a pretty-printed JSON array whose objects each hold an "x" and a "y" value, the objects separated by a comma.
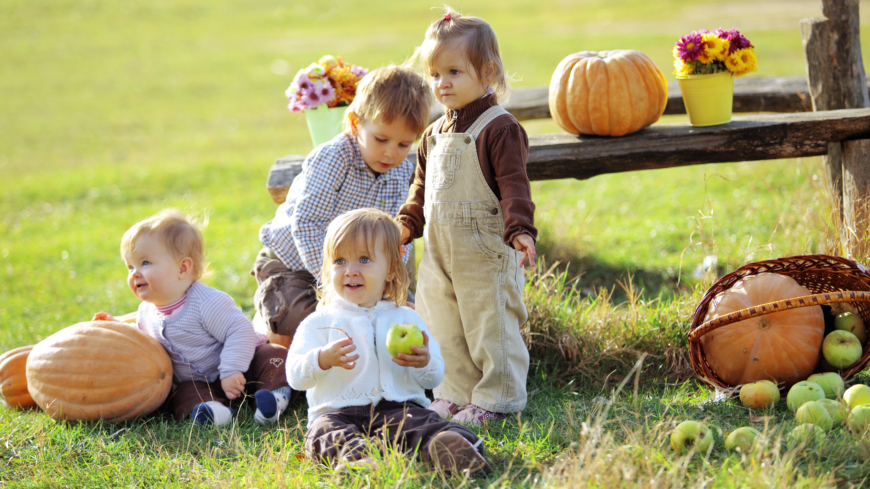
[
  {"x": 419, "y": 359},
  {"x": 525, "y": 244},
  {"x": 103, "y": 316},
  {"x": 233, "y": 385},
  {"x": 338, "y": 354}
]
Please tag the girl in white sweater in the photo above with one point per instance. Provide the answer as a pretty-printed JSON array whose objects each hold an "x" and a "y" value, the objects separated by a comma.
[{"x": 360, "y": 398}]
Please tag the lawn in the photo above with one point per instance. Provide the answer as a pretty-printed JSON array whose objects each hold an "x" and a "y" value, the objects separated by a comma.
[{"x": 114, "y": 110}]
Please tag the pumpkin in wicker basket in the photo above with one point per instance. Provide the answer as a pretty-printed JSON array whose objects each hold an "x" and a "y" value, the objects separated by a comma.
[{"x": 781, "y": 346}]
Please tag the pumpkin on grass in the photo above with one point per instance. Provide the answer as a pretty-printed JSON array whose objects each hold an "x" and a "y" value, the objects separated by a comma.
[
  {"x": 99, "y": 370},
  {"x": 611, "y": 93},
  {"x": 13, "y": 381},
  {"x": 782, "y": 346}
]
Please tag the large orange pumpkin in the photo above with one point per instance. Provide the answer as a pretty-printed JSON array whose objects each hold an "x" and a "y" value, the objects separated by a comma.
[
  {"x": 99, "y": 370},
  {"x": 13, "y": 381},
  {"x": 783, "y": 346},
  {"x": 611, "y": 93}
]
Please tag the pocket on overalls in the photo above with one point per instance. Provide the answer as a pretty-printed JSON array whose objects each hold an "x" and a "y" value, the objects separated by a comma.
[
  {"x": 488, "y": 240},
  {"x": 446, "y": 161}
]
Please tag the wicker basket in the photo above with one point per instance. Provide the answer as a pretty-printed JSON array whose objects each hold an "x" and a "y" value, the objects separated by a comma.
[{"x": 830, "y": 279}]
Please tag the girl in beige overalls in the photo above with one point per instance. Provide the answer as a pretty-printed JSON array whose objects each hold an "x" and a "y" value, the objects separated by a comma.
[{"x": 478, "y": 230}]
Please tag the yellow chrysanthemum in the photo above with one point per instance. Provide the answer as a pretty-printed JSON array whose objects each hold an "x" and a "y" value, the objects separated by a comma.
[
  {"x": 681, "y": 68},
  {"x": 715, "y": 48},
  {"x": 742, "y": 61}
]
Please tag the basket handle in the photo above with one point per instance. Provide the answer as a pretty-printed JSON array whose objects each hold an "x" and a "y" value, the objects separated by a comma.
[{"x": 783, "y": 305}]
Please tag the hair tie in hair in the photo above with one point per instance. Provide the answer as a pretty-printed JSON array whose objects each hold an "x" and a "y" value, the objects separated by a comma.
[{"x": 447, "y": 18}]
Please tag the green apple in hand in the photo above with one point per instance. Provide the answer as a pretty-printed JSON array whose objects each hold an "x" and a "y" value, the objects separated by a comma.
[
  {"x": 830, "y": 382},
  {"x": 852, "y": 323},
  {"x": 401, "y": 337},
  {"x": 690, "y": 434},
  {"x": 841, "y": 348}
]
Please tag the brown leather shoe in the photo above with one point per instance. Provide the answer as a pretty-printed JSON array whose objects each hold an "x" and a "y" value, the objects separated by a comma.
[{"x": 451, "y": 452}]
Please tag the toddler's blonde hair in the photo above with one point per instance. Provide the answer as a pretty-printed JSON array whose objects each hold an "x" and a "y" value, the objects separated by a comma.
[
  {"x": 481, "y": 47},
  {"x": 180, "y": 235},
  {"x": 368, "y": 227},
  {"x": 390, "y": 93}
]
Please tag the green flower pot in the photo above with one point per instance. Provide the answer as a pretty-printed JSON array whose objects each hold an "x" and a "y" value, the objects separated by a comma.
[
  {"x": 708, "y": 98},
  {"x": 324, "y": 123}
]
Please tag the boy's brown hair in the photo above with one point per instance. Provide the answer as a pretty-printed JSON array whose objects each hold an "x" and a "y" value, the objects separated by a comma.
[
  {"x": 481, "y": 47},
  {"x": 368, "y": 227},
  {"x": 390, "y": 93},
  {"x": 177, "y": 232}
]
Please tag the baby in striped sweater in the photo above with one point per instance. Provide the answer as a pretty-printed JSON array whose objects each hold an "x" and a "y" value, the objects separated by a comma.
[{"x": 216, "y": 354}]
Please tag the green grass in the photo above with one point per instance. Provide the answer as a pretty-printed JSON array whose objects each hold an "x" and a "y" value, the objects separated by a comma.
[{"x": 115, "y": 110}]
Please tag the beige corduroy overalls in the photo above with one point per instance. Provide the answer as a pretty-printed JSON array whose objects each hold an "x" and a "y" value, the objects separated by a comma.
[{"x": 471, "y": 287}]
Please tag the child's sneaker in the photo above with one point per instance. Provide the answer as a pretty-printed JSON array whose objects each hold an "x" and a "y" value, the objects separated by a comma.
[
  {"x": 444, "y": 408},
  {"x": 451, "y": 452},
  {"x": 475, "y": 415},
  {"x": 364, "y": 463}
]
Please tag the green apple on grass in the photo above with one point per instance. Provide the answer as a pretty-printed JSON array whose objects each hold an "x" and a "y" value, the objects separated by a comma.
[
  {"x": 807, "y": 433},
  {"x": 830, "y": 382},
  {"x": 841, "y": 348},
  {"x": 690, "y": 434},
  {"x": 741, "y": 439},
  {"x": 838, "y": 411},
  {"x": 857, "y": 395},
  {"x": 759, "y": 395},
  {"x": 401, "y": 337},
  {"x": 814, "y": 413},
  {"x": 802, "y": 392},
  {"x": 859, "y": 419},
  {"x": 852, "y": 323}
]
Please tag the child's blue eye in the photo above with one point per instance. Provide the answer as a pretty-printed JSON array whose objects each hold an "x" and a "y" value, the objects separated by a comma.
[
  {"x": 146, "y": 262},
  {"x": 338, "y": 261},
  {"x": 364, "y": 259},
  {"x": 380, "y": 140},
  {"x": 454, "y": 72}
]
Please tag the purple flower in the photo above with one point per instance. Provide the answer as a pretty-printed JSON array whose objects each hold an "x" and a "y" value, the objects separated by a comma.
[
  {"x": 735, "y": 38},
  {"x": 303, "y": 83},
  {"x": 325, "y": 91},
  {"x": 359, "y": 71},
  {"x": 689, "y": 46}
]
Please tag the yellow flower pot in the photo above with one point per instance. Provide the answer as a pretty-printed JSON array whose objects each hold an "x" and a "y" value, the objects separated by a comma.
[
  {"x": 324, "y": 123},
  {"x": 708, "y": 98}
]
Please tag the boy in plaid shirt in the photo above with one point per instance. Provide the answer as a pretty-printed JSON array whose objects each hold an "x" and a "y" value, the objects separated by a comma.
[{"x": 364, "y": 166}]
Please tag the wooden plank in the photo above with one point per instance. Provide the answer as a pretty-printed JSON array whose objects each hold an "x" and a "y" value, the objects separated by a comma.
[
  {"x": 751, "y": 94},
  {"x": 748, "y": 138}
]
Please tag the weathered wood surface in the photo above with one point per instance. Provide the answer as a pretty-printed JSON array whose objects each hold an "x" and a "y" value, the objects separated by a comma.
[
  {"x": 856, "y": 191},
  {"x": 835, "y": 73},
  {"x": 748, "y": 138},
  {"x": 751, "y": 94}
]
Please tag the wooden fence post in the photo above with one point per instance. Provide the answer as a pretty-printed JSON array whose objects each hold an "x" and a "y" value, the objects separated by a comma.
[{"x": 835, "y": 75}]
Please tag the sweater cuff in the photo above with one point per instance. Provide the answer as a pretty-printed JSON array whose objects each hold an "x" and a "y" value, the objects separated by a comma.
[{"x": 316, "y": 372}]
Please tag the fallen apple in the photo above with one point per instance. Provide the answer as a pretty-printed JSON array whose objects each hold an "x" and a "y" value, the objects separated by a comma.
[
  {"x": 838, "y": 411},
  {"x": 759, "y": 395},
  {"x": 814, "y": 413},
  {"x": 841, "y": 348},
  {"x": 741, "y": 439},
  {"x": 401, "y": 337},
  {"x": 802, "y": 392},
  {"x": 859, "y": 419},
  {"x": 690, "y": 434},
  {"x": 830, "y": 382},
  {"x": 853, "y": 324},
  {"x": 857, "y": 395},
  {"x": 809, "y": 434}
]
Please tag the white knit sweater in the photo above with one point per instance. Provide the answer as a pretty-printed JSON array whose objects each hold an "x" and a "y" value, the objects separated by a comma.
[{"x": 375, "y": 376}]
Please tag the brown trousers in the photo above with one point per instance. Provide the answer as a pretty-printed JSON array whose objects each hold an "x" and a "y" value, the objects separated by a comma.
[
  {"x": 284, "y": 297},
  {"x": 347, "y": 434},
  {"x": 267, "y": 371}
]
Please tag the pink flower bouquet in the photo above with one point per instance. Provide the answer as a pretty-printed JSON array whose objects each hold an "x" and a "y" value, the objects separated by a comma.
[
  {"x": 329, "y": 81},
  {"x": 704, "y": 52}
]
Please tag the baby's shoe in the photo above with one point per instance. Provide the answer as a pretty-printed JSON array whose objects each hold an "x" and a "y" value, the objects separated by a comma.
[
  {"x": 475, "y": 415},
  {"x": 212, "y": 413},
  {"x": 451, "y": 452},
  {"x": 270, "y": 404},
  {"x": 444, "y": 408}
]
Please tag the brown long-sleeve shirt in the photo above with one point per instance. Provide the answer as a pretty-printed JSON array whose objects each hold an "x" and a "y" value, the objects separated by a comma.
[{"x": 502, "y": 149}]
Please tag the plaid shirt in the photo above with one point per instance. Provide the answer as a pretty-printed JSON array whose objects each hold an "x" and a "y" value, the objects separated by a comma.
[{"x": 334, "y": 180}]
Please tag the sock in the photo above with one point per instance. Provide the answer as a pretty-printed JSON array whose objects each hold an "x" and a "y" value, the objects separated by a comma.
[
  {"x": 270, "y": 404},
  {"x": 212, "y": 412}
]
